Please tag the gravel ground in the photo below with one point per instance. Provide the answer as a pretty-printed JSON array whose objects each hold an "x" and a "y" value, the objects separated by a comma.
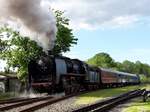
[
  {"x": 63, "y": 106},
  {"x": 67, "y": 105}
]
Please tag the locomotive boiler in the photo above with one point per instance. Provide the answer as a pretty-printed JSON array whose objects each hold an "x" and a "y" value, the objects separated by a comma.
[{"x": 56, "y": 73}]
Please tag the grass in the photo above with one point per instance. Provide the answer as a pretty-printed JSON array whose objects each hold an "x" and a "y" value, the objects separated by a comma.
[
  {"x": 138, "y": 106},
  {"x": 106, "y": 93},
  {"x": 146, "y": 86}
]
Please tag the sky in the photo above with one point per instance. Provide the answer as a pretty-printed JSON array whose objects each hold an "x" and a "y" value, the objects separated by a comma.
[{"x": 120, "y": 28}]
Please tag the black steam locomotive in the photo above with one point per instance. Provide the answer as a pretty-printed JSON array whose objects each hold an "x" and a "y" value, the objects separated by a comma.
[{"x": 58, "y": 73}]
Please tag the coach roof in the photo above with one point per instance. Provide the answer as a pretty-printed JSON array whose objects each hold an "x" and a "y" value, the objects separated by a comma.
[{"x": 118, "y": 72}]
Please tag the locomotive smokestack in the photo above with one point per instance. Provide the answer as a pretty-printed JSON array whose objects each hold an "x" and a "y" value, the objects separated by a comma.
[
  {"x": 49, "y": 52},
  {"x": 34, "y": 20}
]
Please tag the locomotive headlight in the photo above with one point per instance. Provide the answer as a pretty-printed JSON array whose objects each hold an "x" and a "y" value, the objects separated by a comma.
[
  {"x": 40, "y": 62},
  {"x": 42, "y": 65}
]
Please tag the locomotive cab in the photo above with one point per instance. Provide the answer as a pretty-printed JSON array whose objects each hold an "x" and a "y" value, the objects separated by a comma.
[{"x": 78, "y": 67}]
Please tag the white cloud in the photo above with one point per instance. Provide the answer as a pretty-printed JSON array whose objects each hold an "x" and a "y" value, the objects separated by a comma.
[
  {"x": 91, "y": 14},
  {"x": 121, "y": 21}
]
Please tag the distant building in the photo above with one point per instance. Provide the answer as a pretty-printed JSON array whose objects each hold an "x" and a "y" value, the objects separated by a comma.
[
  {"x": 9, "y": 84},
  {"x": 3, "y": 83}
]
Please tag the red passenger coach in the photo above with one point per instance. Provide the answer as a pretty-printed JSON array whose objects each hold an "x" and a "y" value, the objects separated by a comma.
[{"x": 108, "y": 77}]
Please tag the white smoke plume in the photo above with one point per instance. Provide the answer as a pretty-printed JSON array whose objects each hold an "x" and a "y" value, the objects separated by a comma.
[{"x": 34, "y": 20}]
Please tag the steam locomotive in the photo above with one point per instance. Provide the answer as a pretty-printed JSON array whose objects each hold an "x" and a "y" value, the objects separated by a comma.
[{"x": 58, "y": 73}]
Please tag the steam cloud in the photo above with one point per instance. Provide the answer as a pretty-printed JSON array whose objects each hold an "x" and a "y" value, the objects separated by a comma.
[{"x": 34, "y": 20}]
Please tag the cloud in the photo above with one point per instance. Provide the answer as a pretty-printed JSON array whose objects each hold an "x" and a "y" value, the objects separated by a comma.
[{"x": 91, "y": 14}]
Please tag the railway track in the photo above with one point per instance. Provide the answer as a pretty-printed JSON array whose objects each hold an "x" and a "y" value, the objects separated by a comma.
[
  {"x": 49, "y": 102},
  {"x": 105, "y": 105},
  {"x": 18, "y": 102},
  {"x": 32, "y": 104}
]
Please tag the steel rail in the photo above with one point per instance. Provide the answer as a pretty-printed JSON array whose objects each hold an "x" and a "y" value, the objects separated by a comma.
[
  {"x": 104, "y": 105},
  {"x": 15, "y": 100},
  {"x": 51, "y": 101},
  {"x": 24, "y": 102}
]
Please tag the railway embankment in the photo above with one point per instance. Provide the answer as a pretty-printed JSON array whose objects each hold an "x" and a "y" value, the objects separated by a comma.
[
  {"x": 89, "y": 98},
  {"x": 83, "y": 100},
  {"x": 134, "y": 105},
  {"x": 95, "y": 96}
]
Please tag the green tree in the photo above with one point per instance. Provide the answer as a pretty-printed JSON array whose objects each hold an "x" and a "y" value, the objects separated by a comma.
[
  {"x": 65, "y": 38},
  {"x": 102, "y": 60},
  {"x": 127, "y": 66},
  {"x": 118, "y": 66},
  {"x": 18, "y": 50},
  {"x": 145, "y": 69},
  {"x": 139, "y": 67}
]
